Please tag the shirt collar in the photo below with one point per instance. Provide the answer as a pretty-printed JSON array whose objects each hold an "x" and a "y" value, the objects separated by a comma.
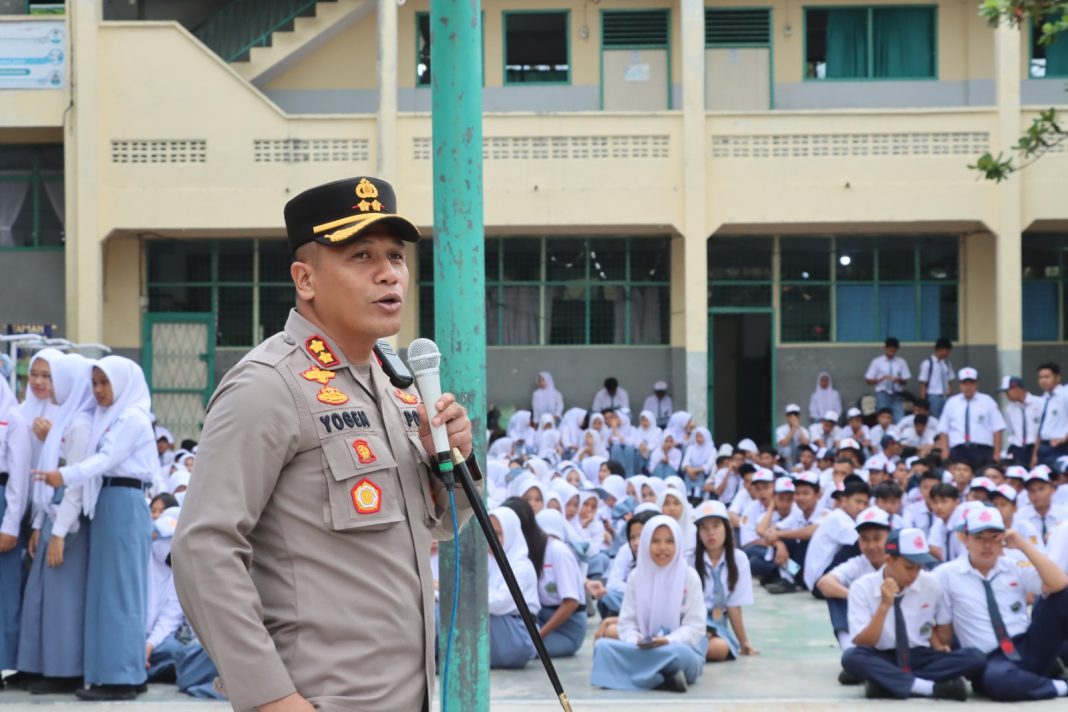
[{"x": 315, "y": 343}]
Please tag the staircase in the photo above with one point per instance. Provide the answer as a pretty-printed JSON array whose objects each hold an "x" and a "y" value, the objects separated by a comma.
[{"x": 260, "y": 38}]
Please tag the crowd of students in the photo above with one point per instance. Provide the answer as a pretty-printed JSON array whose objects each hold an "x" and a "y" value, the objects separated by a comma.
[
  {"x": 939, "y": 545},
  {"x": 90, "y": 493}
]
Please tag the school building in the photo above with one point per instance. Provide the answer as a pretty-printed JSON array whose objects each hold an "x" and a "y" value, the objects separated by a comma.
[{"x": 730, "y": 195}]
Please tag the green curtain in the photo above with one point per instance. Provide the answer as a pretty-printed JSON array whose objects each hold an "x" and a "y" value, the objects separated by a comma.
[
  {"x": 903, "y": 43},
  {"x": 847, "y": 43},
  {"x": 1057, "y": 58}
]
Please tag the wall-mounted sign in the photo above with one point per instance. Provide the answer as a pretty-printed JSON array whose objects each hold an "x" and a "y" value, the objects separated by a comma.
[{"x": 33, "y": 55}]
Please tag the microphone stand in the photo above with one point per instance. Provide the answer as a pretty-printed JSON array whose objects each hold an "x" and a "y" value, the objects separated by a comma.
[{"x": 475, "y": 498}]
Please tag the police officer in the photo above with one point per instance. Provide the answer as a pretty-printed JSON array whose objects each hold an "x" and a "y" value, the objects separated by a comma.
[{"x": 302, "y": 557}]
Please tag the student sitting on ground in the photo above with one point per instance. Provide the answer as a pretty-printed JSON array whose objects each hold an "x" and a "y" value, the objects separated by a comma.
[
  {"x": 510, "y": 644},
  {"x": 662, "y": 641},
  {"x": 786, "y": 555},
  {"x": 609, "y": 595},
  {"x": 728, "y": 586},
  {"x": 944, "y": 502},
  {"x": 900, "y": 628},
  {"x": 887, "y": 496},
  {"x": 835, "y": 540},
  {"x": 561, "y": 586}
]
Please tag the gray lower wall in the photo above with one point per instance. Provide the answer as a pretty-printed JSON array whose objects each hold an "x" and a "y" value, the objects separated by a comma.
[
  {"x": 826, "y": 94},
  {"x": 1043, "y": 92},
  {"x": 32, "y": 288},
  {"x": 797, "y": 368}
]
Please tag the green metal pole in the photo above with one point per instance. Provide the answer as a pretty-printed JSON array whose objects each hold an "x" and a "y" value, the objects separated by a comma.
[{"x": 460, "y": 315}]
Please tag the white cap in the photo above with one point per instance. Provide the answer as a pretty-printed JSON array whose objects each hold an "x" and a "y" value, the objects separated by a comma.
[
  {"x": 1006, "y": 491},
  {"x": 763, "y": 474},
  {"x": 1016, "y": 472},
  {"x": 1041, "y": 472},
  {"x": 854, "y": 412},
  {"x": 725, "y": 450},
  {"x": 984, "y": 483},
  {"x": 793, "y": 408},
  {"x": 848, "y": 444},
  {"x": 783, "y": 485},
  {"x": 980, "y": 519},
  {"x": 967, "y": 374},
  {"x": 822, "y": 453},
  {"x": 809, "y": 478},
  {"x": 748, "y": 445},
  {"x": 660, "y": 386},
  {"x": 873, "y": 516},
  {"x": 711, "y": 508},
  {"x": 911, "y": 544},
  {"x": 831, "y": 416}
]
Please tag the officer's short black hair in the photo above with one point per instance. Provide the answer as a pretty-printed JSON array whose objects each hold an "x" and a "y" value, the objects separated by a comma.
[
  {"x": 611, "y": 383},
  {"x": 1051, "y": 367},
  {"x": 892, "y": 342},
  {"x": 943, "y": 343},
  {"x": 946, "y": 490}
]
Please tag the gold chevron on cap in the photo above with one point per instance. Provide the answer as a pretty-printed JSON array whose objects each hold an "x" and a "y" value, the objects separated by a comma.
[{"x": 359, "y": 220}]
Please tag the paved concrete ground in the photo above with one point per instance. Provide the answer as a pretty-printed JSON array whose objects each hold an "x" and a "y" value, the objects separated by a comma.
[{"x": 796, "y": 671}]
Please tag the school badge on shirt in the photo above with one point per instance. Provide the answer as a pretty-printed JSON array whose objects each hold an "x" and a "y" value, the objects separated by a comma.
[{"x": 366, "y": 497}]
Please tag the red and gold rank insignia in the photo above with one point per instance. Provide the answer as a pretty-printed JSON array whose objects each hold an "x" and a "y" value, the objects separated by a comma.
[
  {"x": 332, "y": 396},
  {"x": 366, "y": 497},
  {"x": 364, "y": 454},
  {"x": 317, "y": 347},
  {"x": 318, "y": 375},
  {"x": 407, "y": 398}
]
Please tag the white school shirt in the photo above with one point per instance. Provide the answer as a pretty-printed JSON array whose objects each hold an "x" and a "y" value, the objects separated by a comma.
[
  {"x": 1020, "y": 417},
  {"x": 500, "y": 601},
  {"x": 164, "y": 611},
  {"x": 883, "y": 366},
  {"x": 919, "y": 516},
  {"x": 1027, "y": 530},
  {"x": 592, "y": 534},
  {"x": 835, "y": 531},
  {"x": 852, "y": 569},
  {"x": 122, "y": 452},
  {"x": 876, "y": 433},
  {"x": 561, "y": 577},
  {"x": 16, "y": 450},
  {"x": 921, "y": 605},
  {"x": 733, "y": 484},
  {"x": 661, "y": 408},
  {"x": 742, "y": 595},
  {"x": 1057, "y": 547},
  {"x": 1053, "y": 415},
  {"x": 984, "y": 419},
  {"x": 798, "y": 520},
  {"x": 74, "y": 448},
  {"x": 815, "y": 433},
  {"x": 692, "y": 616},
  {"x": 620, "y": 571},
  {"x": 937, "y": 375},
  {"x": 934, "y": 425},
  {"x": 1060, "y": 495},
  {"x": 741, "y": 501},
  {"x": 965, "y": 599},
  {"x": 601, "y": 401},
  {"x": 751, "y": 516},
  {"x": 1053, "y": 517},
  {"x": 910, "y": 438}
]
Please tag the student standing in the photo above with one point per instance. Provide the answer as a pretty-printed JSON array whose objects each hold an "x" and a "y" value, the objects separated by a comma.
[
  {"x": 936, "y": 376},
  {"x": 825, "y": 398},
  {"x": 51, "y": 642},
  {"x": 987, "y": 592},
  {"x": 727, "y": 583},
  {"x": 1022, "y": 415},
  {"x": 659, "y": 404},
  {"x": 791, "y": 435},
  {"x": 122, "y": 462},
  {"x": 889, "y": 373},
  {"x": 1053, "y": 418},
  {"x": 546, "y": 399},
  {"x": 611, "y": 397},
  {"x": 15, "y": 463},
  {"x": 972, "y": 425},
  {"x": 662, "y": 641},
  {"x": 510, "y": 644},
  {"x": 901, "y": 629}
]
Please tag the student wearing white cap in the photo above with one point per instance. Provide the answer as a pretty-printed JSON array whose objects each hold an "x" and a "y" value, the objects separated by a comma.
[
  {"x": 1022, "y": 414},
  {"x": 751, "y": 542},
  {"x": 825, "y": 433},
  {"x": 1004, "y": 499},
  {"x": 660, "y": 404},
  {"x": 1041, "y": 512},
  {"x": 786, "y": 555},
  {"x": 987, "y": 593},
  {"x": 901, "y": 630},
  {"x": 972, "y": 425},
  {"x": 889, "y": 373},
  {"x": 727, "y": 582},
  {"x": 791, "y": 435},
  {"x": 1052, "y": 419},
  {"x": 856, "y": 430}
]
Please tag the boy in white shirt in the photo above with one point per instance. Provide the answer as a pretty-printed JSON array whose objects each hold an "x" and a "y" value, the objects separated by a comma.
[
  {"x": 825, "y": 433},
  {"x": 1041, "y": 512},
  {"x": 889, "y": 373},
  {"x": 901, "y": 629}
]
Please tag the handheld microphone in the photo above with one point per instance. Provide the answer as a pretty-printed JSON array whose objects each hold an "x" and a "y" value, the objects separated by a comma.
[{"x": 424, "y": 359}]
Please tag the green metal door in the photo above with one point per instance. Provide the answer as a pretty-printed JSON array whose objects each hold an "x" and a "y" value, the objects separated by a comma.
[
  {"x": 741, "y": 374},
  {"x": 179, "y": 364}
]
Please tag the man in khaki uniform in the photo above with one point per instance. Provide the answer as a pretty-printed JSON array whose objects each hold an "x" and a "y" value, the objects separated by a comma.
[{"x": 302, "y": 556}]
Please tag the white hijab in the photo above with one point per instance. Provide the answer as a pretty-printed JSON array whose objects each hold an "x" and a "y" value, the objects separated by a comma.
[
  {"x": 584, "y": 496},
  {"x": 658, "y": 590},
  {"x": 824, "y": 399},
  {"x": 591, "y": 467},
  {"x": 545, "y": 400},
  {"x": 599, "y": 448},
  {"x": 700, "y": 455},
  {"x": 676, "y": 426},
  {"x": 501, "y": 448},
  {"x": 571, "y": 427},
  {"x": 688, "y": 543},
  {"x": 651, "y": 436},
  {"x": 32, "y": 407},
  {"x": 72, "y": 384},
  {"x": 519, "y": 427},
  {"x": 547, "y": 440},
  {"x": 515, "y": 550}
]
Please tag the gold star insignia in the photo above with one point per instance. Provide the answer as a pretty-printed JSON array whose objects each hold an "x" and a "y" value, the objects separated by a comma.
[{"x": 364, "y": 206}]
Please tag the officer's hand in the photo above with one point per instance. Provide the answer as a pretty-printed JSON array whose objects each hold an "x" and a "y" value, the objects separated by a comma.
[{"x": 457, "y": 424}]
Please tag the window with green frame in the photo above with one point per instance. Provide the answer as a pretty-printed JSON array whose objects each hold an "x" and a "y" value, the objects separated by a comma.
[
  {"x": 423, "y": 76},
  {"x": 1045, "y": 258},
  {"x": 568, "y": 290},
  {"x": 244, "y": 283},
  {"x": 32, "y": 202},
  {"x": 878, "y": 42},
  {"x": 537, "y": 47},
  {"x": 1048, "y": 61},
  {"x": 842, "y": 289}
]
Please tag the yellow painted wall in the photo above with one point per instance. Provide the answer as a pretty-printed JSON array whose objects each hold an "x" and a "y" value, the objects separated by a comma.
[
  {"x": 122, "y": 291},
  {"x": 346, "y": 61},
  {"x": 978, "y": 294}
]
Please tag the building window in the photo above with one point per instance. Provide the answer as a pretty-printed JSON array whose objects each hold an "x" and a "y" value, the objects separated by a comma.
[
  {"x": 1044, "y": 261},
  {"x": 1048, "y": 61},
  {"x": 842, "y": 289},
  {"x": 537, "y": 48},
  {"x": 422, "y": 49},
  {"x": 870, "y": 43},
  {"x": 32, "y": 202},
  {"x": 568, "y": 290},
  {"x": 244, "y": 284}
]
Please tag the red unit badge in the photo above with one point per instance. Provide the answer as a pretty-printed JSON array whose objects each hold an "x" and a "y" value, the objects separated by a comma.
[
  {"x": 366, "y": 497},
  {"x": 364, "y": 454}
]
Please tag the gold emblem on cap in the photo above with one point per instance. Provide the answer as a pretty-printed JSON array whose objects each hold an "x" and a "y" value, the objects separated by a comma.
[{"x": 366, "y": 189}]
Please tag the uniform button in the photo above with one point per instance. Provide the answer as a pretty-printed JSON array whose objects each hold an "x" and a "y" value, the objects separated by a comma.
[{"x": 289, "y": 340}]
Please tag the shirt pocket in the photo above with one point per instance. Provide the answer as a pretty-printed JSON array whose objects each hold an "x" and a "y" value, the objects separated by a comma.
[
  {"x": 361, "y": 479},
  {"x": 426, "y": 479}
]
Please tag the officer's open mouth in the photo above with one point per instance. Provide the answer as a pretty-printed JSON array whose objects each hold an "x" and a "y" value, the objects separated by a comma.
[{"x": 389, "y": 299}]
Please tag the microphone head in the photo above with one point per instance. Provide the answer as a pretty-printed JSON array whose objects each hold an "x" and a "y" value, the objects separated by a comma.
[{"x": 423, "y": 355}]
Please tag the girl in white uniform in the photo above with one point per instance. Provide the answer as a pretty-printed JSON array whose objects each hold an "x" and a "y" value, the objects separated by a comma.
[
  {"x": 510, "y": 644},
  {"x": 162, "y": 648},
  {"x": 662, "y": 640},
  {"x": 53, "y": 613},
  {"x": 15, "y": 462},
  {"x": 674, "y": 504},
  {"x": 561, "y": 590},
  {"x": 591, "y": 530}
]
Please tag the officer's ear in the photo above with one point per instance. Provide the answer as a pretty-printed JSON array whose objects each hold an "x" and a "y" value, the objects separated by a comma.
[{"x": 302, "y": 271}]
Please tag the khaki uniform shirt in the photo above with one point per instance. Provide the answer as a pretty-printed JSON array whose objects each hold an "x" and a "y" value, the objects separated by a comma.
[{"x": 302, "y": 556}]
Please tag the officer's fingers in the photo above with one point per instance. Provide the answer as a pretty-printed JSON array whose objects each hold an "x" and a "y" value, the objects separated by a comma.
[
  {"x": 453, "y": 412},
  {"x": 445, "y": 401}
]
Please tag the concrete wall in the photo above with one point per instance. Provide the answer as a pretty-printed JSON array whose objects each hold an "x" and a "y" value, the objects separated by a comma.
[
  {"x": 32, "y": 288},
  {"x": 884, "y": 94}
]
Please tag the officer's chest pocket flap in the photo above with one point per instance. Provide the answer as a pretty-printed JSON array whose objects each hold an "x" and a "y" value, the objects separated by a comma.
[{"x": 361, "y": 476}]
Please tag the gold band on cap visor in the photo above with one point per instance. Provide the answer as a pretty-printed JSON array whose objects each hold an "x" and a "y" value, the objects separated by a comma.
[{"x": 357, "y": 222}]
